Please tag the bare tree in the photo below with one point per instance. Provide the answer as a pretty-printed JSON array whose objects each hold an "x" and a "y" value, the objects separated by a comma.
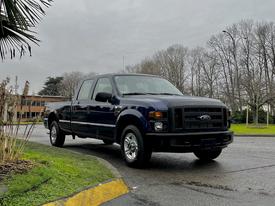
[
  {"x": 71, "y": 81},
  {"x": 204, "y": 73},
  {"x": 222, "y": 49},
  {"x": 147, "y": 66},
  {"x": 172, "y": 65},
  {"x": 237, "y": 66}
]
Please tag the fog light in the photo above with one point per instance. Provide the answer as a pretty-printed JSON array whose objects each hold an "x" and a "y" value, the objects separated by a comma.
[{"x": 158, "y": 126}]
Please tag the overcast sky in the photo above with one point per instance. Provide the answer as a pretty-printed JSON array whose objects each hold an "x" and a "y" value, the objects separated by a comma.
[{"x": 94, "y": 35}]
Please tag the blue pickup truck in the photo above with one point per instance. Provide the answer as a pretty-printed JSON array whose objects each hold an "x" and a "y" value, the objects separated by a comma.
[{"x": 144, "y": 114}]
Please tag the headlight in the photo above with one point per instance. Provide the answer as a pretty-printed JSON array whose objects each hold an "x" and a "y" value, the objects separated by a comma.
[{"x": 158, "y": 126}]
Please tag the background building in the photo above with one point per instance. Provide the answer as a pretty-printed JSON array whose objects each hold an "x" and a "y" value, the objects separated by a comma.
[{"x": 33, "y": 106}]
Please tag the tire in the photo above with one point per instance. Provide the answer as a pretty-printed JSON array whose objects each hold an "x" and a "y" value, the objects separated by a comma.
[
  {"x": 108, "y": 142},
  {"x": 207, "y": 155},
  {"x": 135, "y": 150},
  {"x": 57, "y": 138}
]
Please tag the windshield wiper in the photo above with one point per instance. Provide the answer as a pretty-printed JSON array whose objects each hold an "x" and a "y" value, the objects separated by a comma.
[
  {"x": 164, "y": 93},
  {"x": 147, "y": 93},
  {"x": 134, "y": 93}
]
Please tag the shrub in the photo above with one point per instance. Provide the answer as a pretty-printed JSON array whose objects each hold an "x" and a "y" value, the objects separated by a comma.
[{"x": 10, "y": 147}]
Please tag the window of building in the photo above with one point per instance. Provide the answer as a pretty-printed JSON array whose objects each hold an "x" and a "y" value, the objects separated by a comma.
[
  {"x": 24, "y": 102},
  {"x": 28, "y": 102}
]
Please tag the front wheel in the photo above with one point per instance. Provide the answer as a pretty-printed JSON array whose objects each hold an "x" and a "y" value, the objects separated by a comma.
[
  {"x": 57, "y": 138},
  {"x": 135, "y": 150},
  {"x": 207, "y": 155}
]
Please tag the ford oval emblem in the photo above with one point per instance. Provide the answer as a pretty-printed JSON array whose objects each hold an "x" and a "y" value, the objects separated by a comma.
[{"x": 204, "y": 117}]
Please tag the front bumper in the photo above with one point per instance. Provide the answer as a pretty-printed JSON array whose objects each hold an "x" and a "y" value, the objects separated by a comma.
[{"x": 189, "y": 142}]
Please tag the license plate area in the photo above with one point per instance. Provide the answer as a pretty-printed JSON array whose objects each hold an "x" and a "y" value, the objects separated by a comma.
[{"x": 208, "y": 141}]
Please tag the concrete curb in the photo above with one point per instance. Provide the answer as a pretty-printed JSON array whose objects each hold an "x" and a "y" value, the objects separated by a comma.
[{"x": 95, "y": 196}]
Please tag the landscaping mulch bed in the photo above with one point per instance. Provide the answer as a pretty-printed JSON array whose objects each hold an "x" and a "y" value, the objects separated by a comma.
[{"x": 19, "y": 167}]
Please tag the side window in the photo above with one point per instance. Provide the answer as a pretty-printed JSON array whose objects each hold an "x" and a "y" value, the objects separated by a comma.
[
  {"x": 85, "y": 90},
  {"x": 103, "y": 85}
]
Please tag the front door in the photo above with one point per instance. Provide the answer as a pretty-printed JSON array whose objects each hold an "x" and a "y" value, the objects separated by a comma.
[{"x": 102, "y": 113}]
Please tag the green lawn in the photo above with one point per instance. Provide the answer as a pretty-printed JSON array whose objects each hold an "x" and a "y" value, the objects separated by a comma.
[
  {"x": 57, "y": 173},
  {"x": 241, "y": 129}
]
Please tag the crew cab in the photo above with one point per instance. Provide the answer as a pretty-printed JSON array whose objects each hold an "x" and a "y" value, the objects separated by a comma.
[{"x": 144, "y": 114}]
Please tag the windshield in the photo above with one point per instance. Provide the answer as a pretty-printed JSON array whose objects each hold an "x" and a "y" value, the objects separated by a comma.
[{"x": 138, "y": 85}]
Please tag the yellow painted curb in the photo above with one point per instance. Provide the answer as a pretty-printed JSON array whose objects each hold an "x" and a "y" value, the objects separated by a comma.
[{"x": 95, "y": 196}]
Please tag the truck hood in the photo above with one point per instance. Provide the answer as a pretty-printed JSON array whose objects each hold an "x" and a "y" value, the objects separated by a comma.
[{"x": 168, "y": 101}]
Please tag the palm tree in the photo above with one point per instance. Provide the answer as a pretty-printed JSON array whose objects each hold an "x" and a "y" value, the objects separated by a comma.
[{"x": 17, "y": 18}]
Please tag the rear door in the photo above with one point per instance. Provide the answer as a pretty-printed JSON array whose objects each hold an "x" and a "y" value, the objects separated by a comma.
[{"x": 80, "y": 111}]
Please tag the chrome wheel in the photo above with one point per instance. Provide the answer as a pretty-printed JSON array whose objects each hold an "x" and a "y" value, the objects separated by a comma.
[
  {"x": 53, "y": 134},
  {"x": 130, "y": 146},
  {"x": 57, "y": 137}
]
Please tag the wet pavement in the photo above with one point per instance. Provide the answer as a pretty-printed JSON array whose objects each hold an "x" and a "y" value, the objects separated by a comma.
[{"x": 244, "y": 174}]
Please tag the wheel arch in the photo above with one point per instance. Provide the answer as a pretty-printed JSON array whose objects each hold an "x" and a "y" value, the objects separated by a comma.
[
  {"x": 130, "y": 117},
  {"x": 52, "y": 117}
]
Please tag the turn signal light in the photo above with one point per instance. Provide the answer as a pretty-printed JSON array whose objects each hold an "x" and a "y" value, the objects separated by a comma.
[{"x": 156, "y": 115}]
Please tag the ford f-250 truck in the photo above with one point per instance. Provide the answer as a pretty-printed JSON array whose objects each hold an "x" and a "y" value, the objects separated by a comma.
[{"x": 142, "y": 113}]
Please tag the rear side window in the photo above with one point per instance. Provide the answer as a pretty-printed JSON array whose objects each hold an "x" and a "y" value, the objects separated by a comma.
[
  {"x": 85, "y": 90},
  {"x": 103, "y": 85}
]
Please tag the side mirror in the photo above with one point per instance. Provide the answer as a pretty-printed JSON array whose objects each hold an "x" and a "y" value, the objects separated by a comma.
[{"x": 103, "y": 97}]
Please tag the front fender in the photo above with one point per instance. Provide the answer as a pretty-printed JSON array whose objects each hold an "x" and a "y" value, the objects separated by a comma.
[
  {"x": 132, "y": 113},
  {"x": 131, "y": 116},
  {"x": 49, "y": 116}
]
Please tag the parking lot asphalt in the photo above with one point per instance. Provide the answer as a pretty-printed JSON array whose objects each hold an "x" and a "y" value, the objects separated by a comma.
[{"x": 244, "y": 174}]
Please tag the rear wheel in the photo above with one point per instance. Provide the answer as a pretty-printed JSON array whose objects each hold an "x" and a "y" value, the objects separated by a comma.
[
  {"x": 207, "y": 155},
  {"x": 135, "y": 150},
  {"x": 57, "y": 138}
]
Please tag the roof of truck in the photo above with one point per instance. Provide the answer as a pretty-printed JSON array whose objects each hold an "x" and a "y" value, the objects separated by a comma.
[{"x": 123, "y": 74}]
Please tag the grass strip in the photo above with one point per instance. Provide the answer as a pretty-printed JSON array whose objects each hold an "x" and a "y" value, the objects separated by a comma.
[
  {"x": 242, "y": 129},
  {"x": 58, "y": 173}
]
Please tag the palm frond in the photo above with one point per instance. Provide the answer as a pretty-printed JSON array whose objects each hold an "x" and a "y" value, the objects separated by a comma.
[{"x": 17, "y": 18}]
